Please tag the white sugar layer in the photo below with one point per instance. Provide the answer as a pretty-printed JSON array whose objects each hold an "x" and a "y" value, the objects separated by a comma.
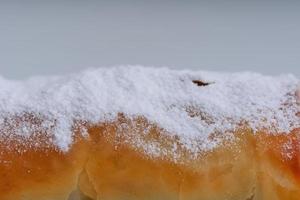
[{"x": 167, "y": 98}]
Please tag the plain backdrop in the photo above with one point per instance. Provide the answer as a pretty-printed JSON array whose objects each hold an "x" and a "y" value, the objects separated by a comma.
[{"x": 58, "y": 37}]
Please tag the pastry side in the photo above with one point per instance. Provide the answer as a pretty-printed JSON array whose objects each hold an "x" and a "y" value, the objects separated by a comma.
[{"x": 104, "y": 165}]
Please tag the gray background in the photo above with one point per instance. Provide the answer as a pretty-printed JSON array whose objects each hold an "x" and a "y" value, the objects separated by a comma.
[{"x": 58, "y": 37}]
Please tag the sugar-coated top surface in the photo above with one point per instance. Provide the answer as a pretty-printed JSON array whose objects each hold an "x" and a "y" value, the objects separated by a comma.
[{"x": 191, "y": 105}]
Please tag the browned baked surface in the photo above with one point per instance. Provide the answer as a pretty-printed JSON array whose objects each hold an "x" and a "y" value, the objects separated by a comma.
[{"x": 252, "y": 166}]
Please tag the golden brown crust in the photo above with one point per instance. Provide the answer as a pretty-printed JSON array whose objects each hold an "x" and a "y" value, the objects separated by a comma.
[{"x": 252, "y": 166}]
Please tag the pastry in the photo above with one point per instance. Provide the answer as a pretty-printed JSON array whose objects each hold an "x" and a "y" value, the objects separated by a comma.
[{"x": 150, "y": 133}]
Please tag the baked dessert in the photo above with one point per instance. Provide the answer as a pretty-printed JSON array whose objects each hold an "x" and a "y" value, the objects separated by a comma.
[{"x": 147, "y": 133}]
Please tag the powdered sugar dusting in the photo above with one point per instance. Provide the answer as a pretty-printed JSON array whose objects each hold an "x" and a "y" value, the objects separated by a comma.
[{"x": 167, "y": 98}]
